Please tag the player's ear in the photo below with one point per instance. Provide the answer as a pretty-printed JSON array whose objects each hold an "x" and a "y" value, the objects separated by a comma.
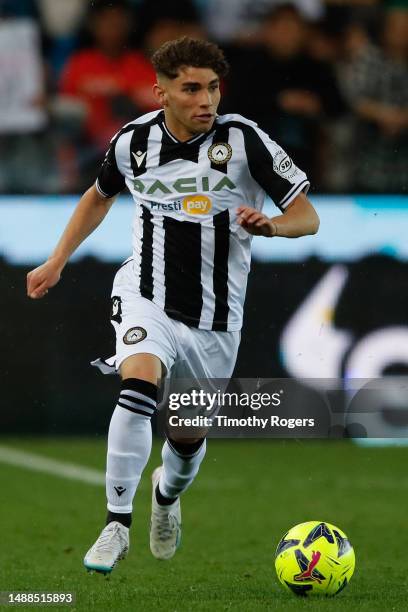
[{"x": 160, "y": 94}]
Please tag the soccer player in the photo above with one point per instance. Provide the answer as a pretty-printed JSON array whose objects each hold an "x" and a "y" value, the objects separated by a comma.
[{"x": 198, "y": 181}]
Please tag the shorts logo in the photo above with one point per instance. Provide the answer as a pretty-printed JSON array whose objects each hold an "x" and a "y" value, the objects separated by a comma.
[
  {"x": 134, "y": 335},
  {"x": 116, "y": 309},
  {"x": 220, "y": 153},
  {"x": 197, "y": 205}
]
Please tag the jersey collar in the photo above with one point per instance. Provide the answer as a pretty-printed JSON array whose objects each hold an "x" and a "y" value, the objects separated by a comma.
[{"x": 195, "y": 139}]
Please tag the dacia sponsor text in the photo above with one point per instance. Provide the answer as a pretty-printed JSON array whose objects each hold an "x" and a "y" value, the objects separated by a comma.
[{"x": 183, "y": 186}]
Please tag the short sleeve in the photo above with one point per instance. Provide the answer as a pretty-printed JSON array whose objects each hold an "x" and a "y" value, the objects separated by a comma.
[
  {"x": 272, "y": 168},
  {"x": 110, "y": 181}
]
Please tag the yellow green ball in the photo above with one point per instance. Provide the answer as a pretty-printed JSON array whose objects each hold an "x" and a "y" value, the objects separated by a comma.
[{"x": 314, "y": 558}]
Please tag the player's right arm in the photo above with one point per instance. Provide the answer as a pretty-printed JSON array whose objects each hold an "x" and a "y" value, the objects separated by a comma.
[{"x": 89, "y": 213}]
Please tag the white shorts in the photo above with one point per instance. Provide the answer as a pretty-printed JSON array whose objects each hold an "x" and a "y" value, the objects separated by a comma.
[{"x": 143, "y": 327}]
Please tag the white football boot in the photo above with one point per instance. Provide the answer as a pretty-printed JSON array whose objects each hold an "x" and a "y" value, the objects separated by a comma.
[
  {"x": 111, "y": 546},
  {"x": 165, "y": 524}
]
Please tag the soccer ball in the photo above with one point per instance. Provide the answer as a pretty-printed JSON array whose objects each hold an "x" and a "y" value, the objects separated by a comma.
[{"x": 314, "y": 558}]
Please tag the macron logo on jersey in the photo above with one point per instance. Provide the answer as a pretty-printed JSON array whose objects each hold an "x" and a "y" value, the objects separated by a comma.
[{"x": 139, "y": 157}]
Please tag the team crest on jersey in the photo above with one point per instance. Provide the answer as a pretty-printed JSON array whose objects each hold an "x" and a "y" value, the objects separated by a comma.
[
  {"x": 220, "y": 153},
  {"x": 116, "y": 309},
  {"x": 134, "y": 335}
]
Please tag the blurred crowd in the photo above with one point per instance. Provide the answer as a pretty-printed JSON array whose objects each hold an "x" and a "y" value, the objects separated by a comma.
[{"x": 327, "y": 79}]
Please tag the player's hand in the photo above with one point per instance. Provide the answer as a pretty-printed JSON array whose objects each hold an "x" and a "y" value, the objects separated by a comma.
[
  {"x": 256, "y": 223},
  {"x": 43, "y": 278}
]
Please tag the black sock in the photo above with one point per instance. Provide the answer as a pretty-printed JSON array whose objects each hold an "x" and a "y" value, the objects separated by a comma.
[
  {"x": 124, "y": 519},
  {"x": 164, "y": 501},
  {"x": 183, "y": 449}
]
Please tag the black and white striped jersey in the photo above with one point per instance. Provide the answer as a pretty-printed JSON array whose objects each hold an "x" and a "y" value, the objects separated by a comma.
[{"x": 190, "y": 256}]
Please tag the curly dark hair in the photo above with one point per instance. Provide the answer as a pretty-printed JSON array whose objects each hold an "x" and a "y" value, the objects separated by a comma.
[{"x": 185, "y": 51}]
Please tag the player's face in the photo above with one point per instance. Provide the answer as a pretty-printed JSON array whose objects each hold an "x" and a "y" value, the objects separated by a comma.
[{"x": 190, "y": 101}]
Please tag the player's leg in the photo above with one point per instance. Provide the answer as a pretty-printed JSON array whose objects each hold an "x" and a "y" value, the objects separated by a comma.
[
  {"x": 129, "y": 446},
  {"x": 144, "y": 346},
  {"x": 201, "y": 355},
  {"x": 181, "y": 462},
  {"x": 130, "y": 433}
]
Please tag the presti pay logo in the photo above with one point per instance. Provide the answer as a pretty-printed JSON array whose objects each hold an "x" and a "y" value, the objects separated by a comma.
[{"x": 197, "y": 205}]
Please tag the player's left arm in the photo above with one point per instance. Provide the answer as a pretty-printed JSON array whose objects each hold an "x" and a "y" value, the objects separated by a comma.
[{"x": 298, "y": 219}]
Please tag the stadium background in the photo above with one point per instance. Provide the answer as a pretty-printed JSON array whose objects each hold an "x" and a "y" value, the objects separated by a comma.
[{"x": 330, "y": 79}]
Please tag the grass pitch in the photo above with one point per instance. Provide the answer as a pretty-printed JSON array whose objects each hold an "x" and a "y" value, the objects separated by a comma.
[{"x": 248, "y": 493}]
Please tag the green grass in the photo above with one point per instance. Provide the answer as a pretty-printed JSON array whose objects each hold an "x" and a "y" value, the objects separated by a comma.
[{"x": 247, "y": 495}]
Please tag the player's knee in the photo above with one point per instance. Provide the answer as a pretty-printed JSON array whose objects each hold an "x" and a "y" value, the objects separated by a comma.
[{"x": 143, "y": 366}]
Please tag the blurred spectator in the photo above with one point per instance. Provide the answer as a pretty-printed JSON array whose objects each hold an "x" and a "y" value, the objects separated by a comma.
[
  {"x": 113, "y": 82},
  {"x": 22, "y": 103},
  {"x": 284, "y": 89},
  {"x": 325, "y": 44},
  {"x": 61, "y": 22},
  {"x": 230, "y": 20},
  {"x": 22, "y": 8},
  {"x": 282, "y": 58},
  {"x": 162, "y": 21},
  {"x": 325, "y": 37},
  {"x": 376, "y": 81}
]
